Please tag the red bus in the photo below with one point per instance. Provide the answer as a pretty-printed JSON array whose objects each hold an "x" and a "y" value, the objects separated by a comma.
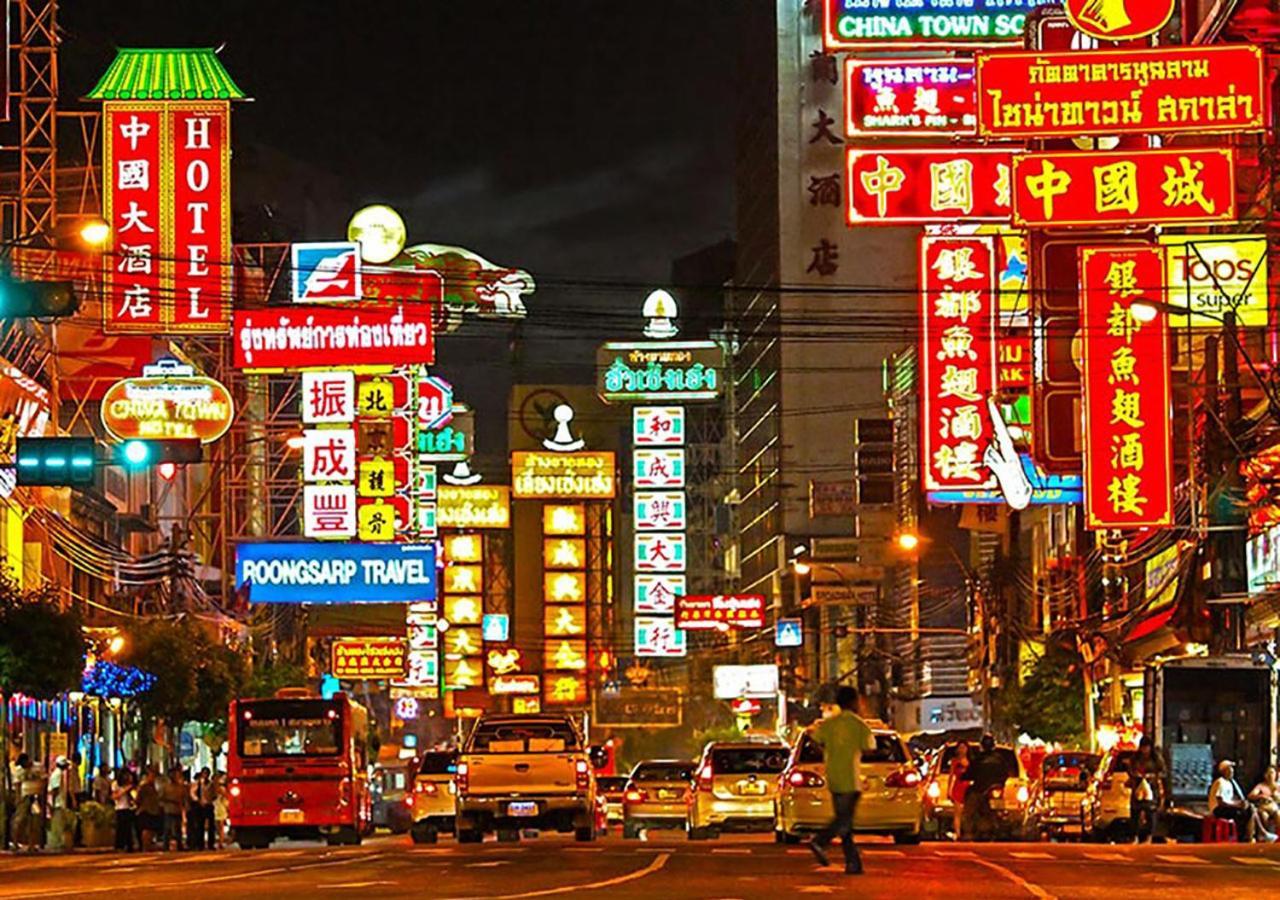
[{"x": 298, "y": 768}]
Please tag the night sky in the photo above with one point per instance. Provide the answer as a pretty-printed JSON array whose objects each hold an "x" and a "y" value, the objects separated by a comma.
[{"x": 579, "y": 139}]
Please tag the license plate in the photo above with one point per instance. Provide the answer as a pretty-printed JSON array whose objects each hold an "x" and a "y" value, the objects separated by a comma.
[
  {"x": 753, "y": 788},
  {"x": 523, "y": 808},
  {"x": 666, "y": 795},
  {"x": 291, "y": 817}
]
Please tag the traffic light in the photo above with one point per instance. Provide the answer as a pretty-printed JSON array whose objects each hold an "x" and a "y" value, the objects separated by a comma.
[
  {"x": 37, "y": 299},
  {"x": 57, "y": 461},
  {"x": 136, "y": 455}
]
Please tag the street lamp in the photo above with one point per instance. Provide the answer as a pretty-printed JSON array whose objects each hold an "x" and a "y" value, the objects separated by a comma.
[{"x": 95, "y": 233}]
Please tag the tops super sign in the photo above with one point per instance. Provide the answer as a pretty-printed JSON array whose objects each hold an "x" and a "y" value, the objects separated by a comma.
[{"x": 326, "y": 272}]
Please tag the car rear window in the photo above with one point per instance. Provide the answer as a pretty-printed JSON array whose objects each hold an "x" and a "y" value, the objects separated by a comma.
[
  {"x": 663, "y": 772},
  {"x": 1007, "y": 756},
  {"x": 888, "y": 750},
  {"x": 749, "y": 761},
  {"x": 1069, "y": 764},
  {"x": 524, "y": 737},
  {"x": 610, "y": 783},
  {"x": 438, "y": 764}
]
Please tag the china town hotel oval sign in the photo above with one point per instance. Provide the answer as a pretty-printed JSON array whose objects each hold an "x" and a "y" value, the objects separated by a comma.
[{"x": 168, "y": 402}]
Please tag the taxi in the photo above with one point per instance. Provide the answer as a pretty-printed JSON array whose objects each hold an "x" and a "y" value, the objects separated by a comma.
[
  {"x": 433, "y": 803},
  {"x": 1011, "y": 811},
  {"x": 734, "y": 787},
  {"x": 656, "y": 796},
  {"x": 892, "y": 802}
]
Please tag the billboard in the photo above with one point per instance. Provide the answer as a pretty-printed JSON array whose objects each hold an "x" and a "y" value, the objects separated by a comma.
[
  {"x": 168, "y": 402},
  {"x": 903, "y": 24},
  {"x": 637, "y": 708},
  {"x": 1155, "y": 186},
  {"x": 918, "y": 187},
  {"x": 280, "y": 339},
  {"x": 910, "y": 98},
  {"x": 662, "y": 370},
  {"x": 720, "y": 611},
  {"x": 734, "y": 682},
  {"x": 361, "y": 657},
  {"x": 1213, "y": 274},
  {"x": 316, "y": 572},
  {"x": 1128, "y": 458},
  {"x": 1159, "y": 90},
  {"x": 587, "y": 475}
]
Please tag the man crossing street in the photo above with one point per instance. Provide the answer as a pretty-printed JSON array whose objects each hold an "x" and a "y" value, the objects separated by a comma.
[{"x": 843, "y": 736}]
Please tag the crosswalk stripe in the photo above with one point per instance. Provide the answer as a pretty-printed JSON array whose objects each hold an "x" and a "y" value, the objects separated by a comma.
[
  {"x": 1255, "y": 861},
  {"x": 734, "y": 852},
  {"x": 1025, "y": 854},
  {"x": 956, "y": 854},
  {"x": 870, "y": 852},
  {"x": 1107, "y": 857},
  {"x": 1183, "y": 860}
]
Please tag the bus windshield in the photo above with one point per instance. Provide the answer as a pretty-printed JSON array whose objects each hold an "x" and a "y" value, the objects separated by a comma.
[{"x": 289, "y": 728}]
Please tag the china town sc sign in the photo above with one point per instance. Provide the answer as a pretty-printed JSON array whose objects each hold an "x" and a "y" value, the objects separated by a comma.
[{"x": 169, "y": 402}]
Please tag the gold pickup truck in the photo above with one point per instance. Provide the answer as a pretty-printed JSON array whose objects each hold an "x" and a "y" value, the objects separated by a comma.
[{"x": 525, "y": 771}]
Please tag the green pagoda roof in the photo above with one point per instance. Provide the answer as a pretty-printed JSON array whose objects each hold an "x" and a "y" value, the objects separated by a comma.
[{"x": 166, "y": 75}]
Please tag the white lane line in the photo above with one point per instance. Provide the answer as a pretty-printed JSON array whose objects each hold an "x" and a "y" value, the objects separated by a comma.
[
  {"x": 1033, "y": 889},
  {"x": 583, "y": 849},
  {"x": 1106, "y": 857},
  {"x": 1255, "y": 861},
  {"x": 731, "y": 852},
  {"x": 955, "y": 854},
  {"x": 491, "y": 864},
  {"x": 1030, "y": 854},
  {"x": 1183, "y": 860},
  {"x": 866, "y": 851},
  {"x": 659, "y": 862},
  {"x": 354, "y": 884}
]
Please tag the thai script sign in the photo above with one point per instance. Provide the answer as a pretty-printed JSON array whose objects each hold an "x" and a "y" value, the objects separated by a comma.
[
  {"x": 474, "y": 506},
  {"x": 720, "y": 611},
  {"x": 863, "y": 24},
  {"x": 1165, "y": 90},
  {"x": 355, "y": 657},
  {"x": 287, "y": 338},
  {"x": 315, "y": 572},
  {"x": 662, "y": 370},
  {"x": 909, "y": 97},
  {"x": 1153, "y": 186},
  {"x": 586, "y": 475},
  {"x": 1128, "y": 457},
  {"x": 915, "y": 187},
  {"x": 168, "y": 402}
]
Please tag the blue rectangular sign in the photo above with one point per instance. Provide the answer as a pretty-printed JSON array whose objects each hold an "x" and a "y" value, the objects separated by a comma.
[
  {"x": 1046, "y": 489},
  {"x": 322, "y": 572}
]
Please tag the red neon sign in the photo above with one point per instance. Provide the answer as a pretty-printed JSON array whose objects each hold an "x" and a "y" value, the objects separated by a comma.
[
  {"x": 131, "y": 166},
  {"x": 720, "y": 611},
  {"x": 1152, "y": 186},
  {"x": 915, "y": 187},
  {"x": 201, "y": 215},
  {"x": 1165, "y": 90},
  {"x": 311, "y": 337},
  {"x": 909, "y": 97},
  {"x": 957, "y": 360},
  {"x": 1128, "y": 458}
]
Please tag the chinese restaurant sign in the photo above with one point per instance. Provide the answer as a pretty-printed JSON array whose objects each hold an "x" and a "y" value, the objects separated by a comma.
[
  {"x": 167, "y": 198},
  {"x": 1127, "y": 404},
  {"x": 1214, "y": 274},
  {"x": 909, "y": 97},
  {"x": 168, "y": 402},
  {"x": 1165, "y": 90},
  {"x": 317, "y": 572},
  {"x": 369, "y": 657},
  {"x": 1119, "y": 20},
  {"x": 1153, "y": 186},
  {"x": 289, "y": 338},
  {"x": 957, "y": 360},
  {"x": 587, "y": 475},
  {"x": 664, "y": 370},
  {"x": 702, "y": 611},
  {"x": 914, "y": 187},
  {"x": 900, "y": 24}
]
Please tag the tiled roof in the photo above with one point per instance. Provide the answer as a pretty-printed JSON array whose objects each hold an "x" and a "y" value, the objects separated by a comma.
[{"x": 166, "y": 75}]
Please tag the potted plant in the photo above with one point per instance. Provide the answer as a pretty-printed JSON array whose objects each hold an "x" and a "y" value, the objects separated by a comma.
[{"x": 97, "y": 824}]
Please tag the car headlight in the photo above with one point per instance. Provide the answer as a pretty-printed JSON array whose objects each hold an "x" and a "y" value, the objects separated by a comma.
[{"x": 1023, "y": 795}]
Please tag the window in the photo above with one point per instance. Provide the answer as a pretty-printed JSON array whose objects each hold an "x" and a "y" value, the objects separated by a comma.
[
  {"x": 888, "y": 750},
  {"x": 290, "y": 728},
  {"x": 663, "y": 772},
  {"x": 438, "y": 764},
  {"x": 749, "y": 761},
  {"x": 524, "y": 737}
]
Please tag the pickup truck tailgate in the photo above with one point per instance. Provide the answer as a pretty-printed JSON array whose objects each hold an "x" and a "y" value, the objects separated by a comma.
[{"x": 520, "y": 773}]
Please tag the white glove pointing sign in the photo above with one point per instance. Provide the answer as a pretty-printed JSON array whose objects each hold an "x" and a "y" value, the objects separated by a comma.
[{"x": 1003, "y": 461}]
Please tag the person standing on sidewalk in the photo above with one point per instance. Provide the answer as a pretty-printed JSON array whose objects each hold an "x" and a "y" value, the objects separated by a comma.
[
  {"x": 101, "y": 789},
  {"x": 125, "y": 800},
  {"x": 62, "y": 803},
  {"x": 843, "y": 736},
  {"x": 195, "y": 814},
  {"x": 173, "y": 800},
  {"x": 149, "y": 809}
]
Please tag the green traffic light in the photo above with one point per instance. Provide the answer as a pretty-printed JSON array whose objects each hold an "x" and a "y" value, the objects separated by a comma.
[{"x": 137, "y": 453}]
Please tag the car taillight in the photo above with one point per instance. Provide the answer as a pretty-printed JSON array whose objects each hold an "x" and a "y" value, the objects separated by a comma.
[
  {"x": 705, "y": 777},
  {"x": 635, "y": 796},
  {"x": 408, "y": 800},
  {"x": 426, "y": 787},
  {"x": 800, "y": 778},
  {"x": 234, "y": 789},
  {"x": 903, "y": 778},
  {"x": 583, "y": 771},
  {"x": 934, "y": 790},
  {"x": 1023, "y": 795},
  {"x": 462, "y": 778}
]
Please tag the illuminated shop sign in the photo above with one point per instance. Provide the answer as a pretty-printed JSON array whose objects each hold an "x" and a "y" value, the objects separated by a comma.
[
  {"x": 1164, "y": 90},
  {"x": 659, "y": 637},
  {"x": 658, "y": 426},
  {"x": 316, "y": 337},
  {"x": 863, "y": 24},
  {"x": 326, "y": 272},
  {"x": 910, "y": 97},
  {"x": 655, "y": 594},
  {"x": 1045, "y": 489},
  {"x": 1119, "y": 20},
  {"x": 313, "y": 572},
  {"x": 660, "y": 552},
  {"x": 475, "y": 506},
  {"x": 355, "y": 657},
  {"x": 701, "y": 611},
  {"x": 169, "y": 401},
  {"x": 663, "y": 370},
  {"x": 1213, "y": 274},
  {"x": 586, "y": 475},
  {"x": 756, "y": 682},
  {"x": 660, "y": 511},
  {"x": 918, "y": 187},
  {"x": 515, "y": 684},
  {"x": 453, "y": 442},
  {"x": 658, "y": 469}
]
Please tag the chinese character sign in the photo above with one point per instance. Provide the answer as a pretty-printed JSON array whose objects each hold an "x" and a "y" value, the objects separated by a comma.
[
  {"x": 1161, "y": 90},
  {"x": 957, "y": 360},
  {"x": 166, "y": 172},
  {"x": 658, "y": 426},
  {"x": 912, "y": 187},
  {"x": 909, "y": 97},
  {"x": 1127, "y": 405},
  {"x": 1155, "y": 186},
  {"x": 659, "y": 636}
]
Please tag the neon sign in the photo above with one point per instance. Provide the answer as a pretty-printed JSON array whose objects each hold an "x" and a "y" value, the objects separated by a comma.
[{"x": 910, "y": 97}]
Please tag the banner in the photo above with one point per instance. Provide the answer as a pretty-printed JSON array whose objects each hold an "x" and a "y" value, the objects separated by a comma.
[
  {"x": 917, "y": 187},
  {"x": 317, "y": 572},
  {"x": 290, "y": 338},
  {"x": 1164, "y": 90},
  {"x": 1128, "y": 458},
  {"x": 1152, "y": 186},
  {"x": 957, "y": 360},
  {"x": 910, "y": 98},
  {"x": 902, "y": 24}
]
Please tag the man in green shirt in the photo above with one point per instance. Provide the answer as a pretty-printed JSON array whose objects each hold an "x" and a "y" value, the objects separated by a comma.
[{"x": 843, "y": 736}]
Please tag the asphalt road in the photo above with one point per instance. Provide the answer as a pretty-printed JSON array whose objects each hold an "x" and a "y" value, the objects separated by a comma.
[{"x": 665, "y": 868}]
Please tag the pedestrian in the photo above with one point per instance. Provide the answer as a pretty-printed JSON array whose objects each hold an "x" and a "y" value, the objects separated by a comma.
[
  {"x": 76, "y": 773},
  {"x": 195, "y": 821},
  {"x": 958, "y": 786},
  {"x": 1228, "y": 801},
  {"x": 220, "y": 808},
  {"x": 101, "y": 788},
  {"x": 173, "y": 797},
  {"x": 61, "y": 806},
  {"x": 27, "y": 823},
  {"x": 987, "y": 771},
  {"x": 1146, "y": 787},
  {"x": 149, "y": 810},
  {"x": 1266, "y": 797},
  {"x": 843, "y": 736},
  {"x": 124, "y": 797},
  {"x": 207, "y": 796}
]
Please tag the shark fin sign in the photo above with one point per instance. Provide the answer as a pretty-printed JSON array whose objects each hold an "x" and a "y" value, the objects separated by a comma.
[{"x": 1119, "y": 20}]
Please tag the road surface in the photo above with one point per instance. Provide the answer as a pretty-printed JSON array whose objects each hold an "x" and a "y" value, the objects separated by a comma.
[{"x": 666, "y": 868}]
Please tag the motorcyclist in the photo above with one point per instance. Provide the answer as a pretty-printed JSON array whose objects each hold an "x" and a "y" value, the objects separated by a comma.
[{"x": 987, "y": 771}]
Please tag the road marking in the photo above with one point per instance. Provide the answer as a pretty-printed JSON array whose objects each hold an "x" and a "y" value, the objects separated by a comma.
[
  {"x": 1030, "y": 854},
  {"x": 1033, "y": 889},
  {"x": 866, "y": 851},
  {"x": 1255, "y": 861},
  {"x": 817, "y": 889},
  {"x": 956, "y": 854},
  {"x": 732, "y": 852},
  {"x": 492, "y": 864},
  {"x": 659, "y": 862},
  {"x": 1106, "y": 857},
  {"x": 583, "y": 849},
  {"x": 354, "y": 884},
  {"x": 1183, "y": 860}
]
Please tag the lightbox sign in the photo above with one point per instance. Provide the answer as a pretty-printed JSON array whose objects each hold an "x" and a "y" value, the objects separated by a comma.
[
  {"x": 720, "y": 611},
  {"x": 1119, "y": 20},
  {"x": 315, "y": 572},
  {"x": 918, "y": 187},
  {"x": 1213, "y": 274},
  {"x": 168, "y": 402},
  {"x": 474, "y": 506},
  {"x": 360, "y": 657},
  {"x": 910, "y": 98},
  {"x": 1162, "y": 90},
  {"x": 659, "y": 637},
  {"x": 313, "y": 337},
  {"x": 1263, "y": 560},
  {"x": 586, "y": 475},
  {"x": 754, "y": 682},
  {"x": 1162, "y": 187},
  {"x": 1128, "y": 454},
  {"x": 662, "y": 370},
  {"x": 326, "y": 272},
  {"x": 1045, "y": 489},
  {"x": 900, "y": 24}
]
